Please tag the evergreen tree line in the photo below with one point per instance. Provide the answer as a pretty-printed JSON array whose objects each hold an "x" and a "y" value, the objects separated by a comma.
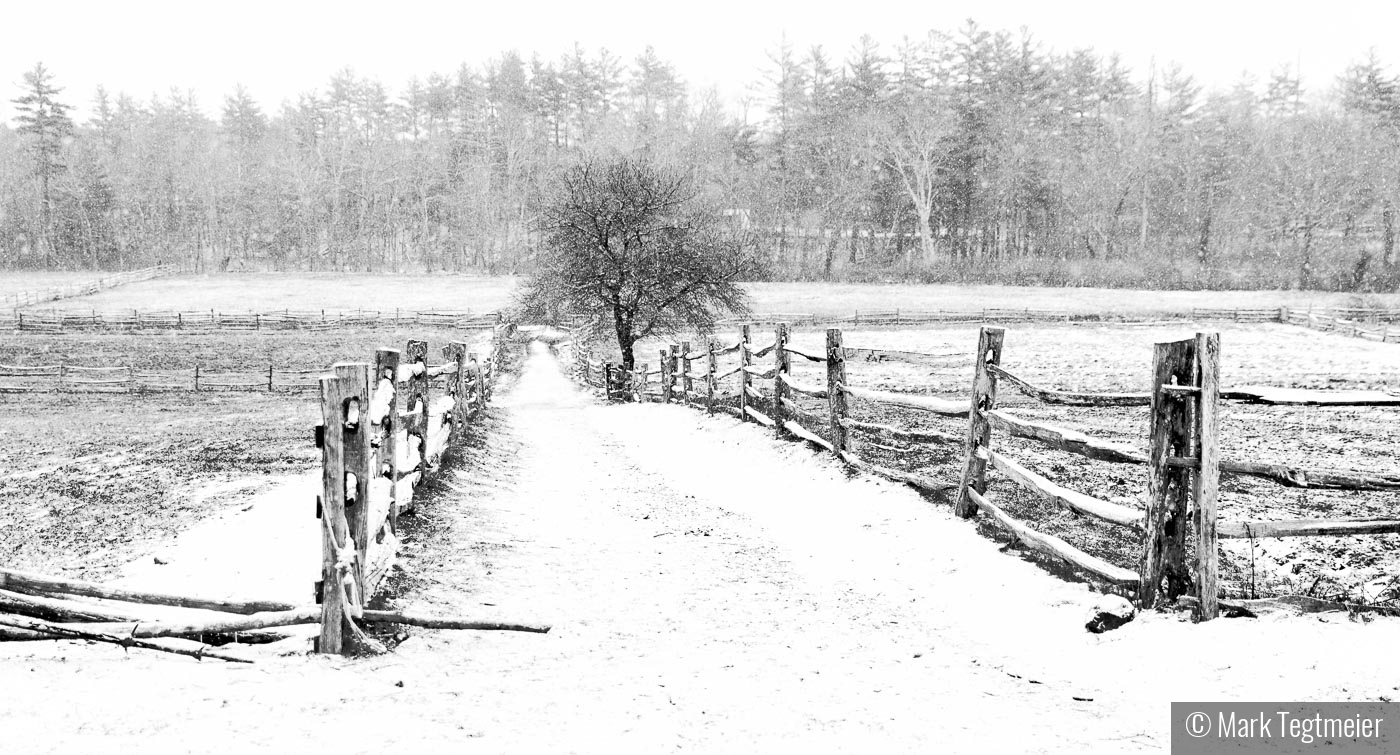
[{"x": 964, "y": 156}]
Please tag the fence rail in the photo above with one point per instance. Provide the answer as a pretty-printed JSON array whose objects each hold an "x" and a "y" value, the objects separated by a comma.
[{"x": 1183, "y": 460}]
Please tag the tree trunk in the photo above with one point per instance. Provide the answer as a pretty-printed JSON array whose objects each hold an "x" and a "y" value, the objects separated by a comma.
[
  {"x": 1305, "y": 271},
  {"x": 1388, "y": 237}
]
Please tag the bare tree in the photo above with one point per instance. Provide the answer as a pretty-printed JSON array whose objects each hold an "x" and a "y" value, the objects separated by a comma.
[{"x": 633, "y": 243}]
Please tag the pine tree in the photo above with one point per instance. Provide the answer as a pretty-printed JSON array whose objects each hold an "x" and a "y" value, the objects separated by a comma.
[{"x": 46, "y": 120}]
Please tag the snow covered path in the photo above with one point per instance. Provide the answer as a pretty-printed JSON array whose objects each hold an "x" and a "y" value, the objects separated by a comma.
[{"x": 711, "y": 590}]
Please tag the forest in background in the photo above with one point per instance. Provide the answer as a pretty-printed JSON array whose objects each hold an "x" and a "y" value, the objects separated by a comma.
[{"x": 970, "y": 155}]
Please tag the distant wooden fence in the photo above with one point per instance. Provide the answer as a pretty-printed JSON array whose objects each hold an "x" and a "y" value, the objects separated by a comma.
[
  {"x": 57, "y": 321},
  {"x": 87, "y": 288},
  {"x": 127, "y": 379},
  {"x": 1183, "y": 458},
  {"x": 63, "y": 378},
  {"x": 1372, "y": 325},
  {"x": 383, "y": 433}
]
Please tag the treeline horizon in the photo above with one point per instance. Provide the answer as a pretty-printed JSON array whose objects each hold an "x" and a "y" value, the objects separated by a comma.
[{"x": 963, "y": 156}]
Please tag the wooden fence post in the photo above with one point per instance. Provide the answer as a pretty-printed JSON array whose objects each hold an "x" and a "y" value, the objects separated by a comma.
[
  {"x": 386, "y": 368},
  {"x": 665, "y": 377},
  {"x": 745, "y": 359},
  {"x": 1164, "y": 533},
  {"x": 416, "y": 405},
  {"x": 781, "y": 366},
  {"x": 482, "y": 388},
  {"x": 457, "y": 351},
  {"x": 675, "y": 363},
  {"x": 686, "y": 385},
  {"x": 335, "y": 534},
  {"x": 269, "y": 378},
  {"x": 640, "y": 386},
  {"x": 979, "y": 431},
  {"x": 358, "y": 457},
  {"x": 835, "y": 385},
  {"x": 1207, "y": 478},
  {"x": 710, "y": 363}
]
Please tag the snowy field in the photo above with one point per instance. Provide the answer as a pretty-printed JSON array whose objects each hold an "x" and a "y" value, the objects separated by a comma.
[{"x": 711, "y": 590}]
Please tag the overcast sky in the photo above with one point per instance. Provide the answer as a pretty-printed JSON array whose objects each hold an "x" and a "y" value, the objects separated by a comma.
[{"x": 280, "y": 49}]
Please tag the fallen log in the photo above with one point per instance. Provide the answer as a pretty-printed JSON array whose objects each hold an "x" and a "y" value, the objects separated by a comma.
[
  {"x": 58, "y": 609},
  {"x": 61, "y": 631},
  {"x": 447, "y": 622},
  {"x": 38, "y": 584},
  {"x": 229, "y": 625}
]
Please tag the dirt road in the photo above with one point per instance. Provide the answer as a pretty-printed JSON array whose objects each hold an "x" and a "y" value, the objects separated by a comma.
[{"x": 711, "y": 590}]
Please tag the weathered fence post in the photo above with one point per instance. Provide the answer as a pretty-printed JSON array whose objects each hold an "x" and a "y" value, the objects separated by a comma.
[
  {"x": 269, "y": 378},
  {"x": 835, "y": 389},
  {"x": 456, "y": 352},
  {"x": 335, "y": 534},
  {"x": 675, "y": 364},
  {"x": 686, "y": 385},
  {"x": 781, "y": 365},
  {"x": 640, "y": 386},
  {"x": 710, "y": 362},
  {"x": 1207, "y": 482},
  {"x": 1164, "y": 532},
  {"x": 386, "y": 375},
  {"x": 979, "y": 431},
  {"x": 745, "y": 359},
  {"x": 357, "y": 454},
  {"x": 665, "y": 377},
  {"x": 482, "y": 387},
  {"x": 416, "y": 428}
]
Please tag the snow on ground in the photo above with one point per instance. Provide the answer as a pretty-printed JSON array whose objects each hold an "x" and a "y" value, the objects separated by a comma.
[
  {"x": 711, "y": 589},
  {"x": 269, "y": 548}
]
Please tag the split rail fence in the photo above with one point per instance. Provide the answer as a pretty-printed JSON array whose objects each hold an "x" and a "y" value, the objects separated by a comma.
[
  {"x": 1183, "y": 458},
  {"x": 60, "y": 321},
  {"x": 383, "y": 433},
  {"x": 86, "y": 288}
]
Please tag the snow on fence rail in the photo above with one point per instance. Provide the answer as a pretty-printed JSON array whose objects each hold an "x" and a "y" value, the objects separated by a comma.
[
  {"x": 87, "y": 288},
  {"x": 59, "y": 321},
  {"x": 1183, "y": 458}
]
